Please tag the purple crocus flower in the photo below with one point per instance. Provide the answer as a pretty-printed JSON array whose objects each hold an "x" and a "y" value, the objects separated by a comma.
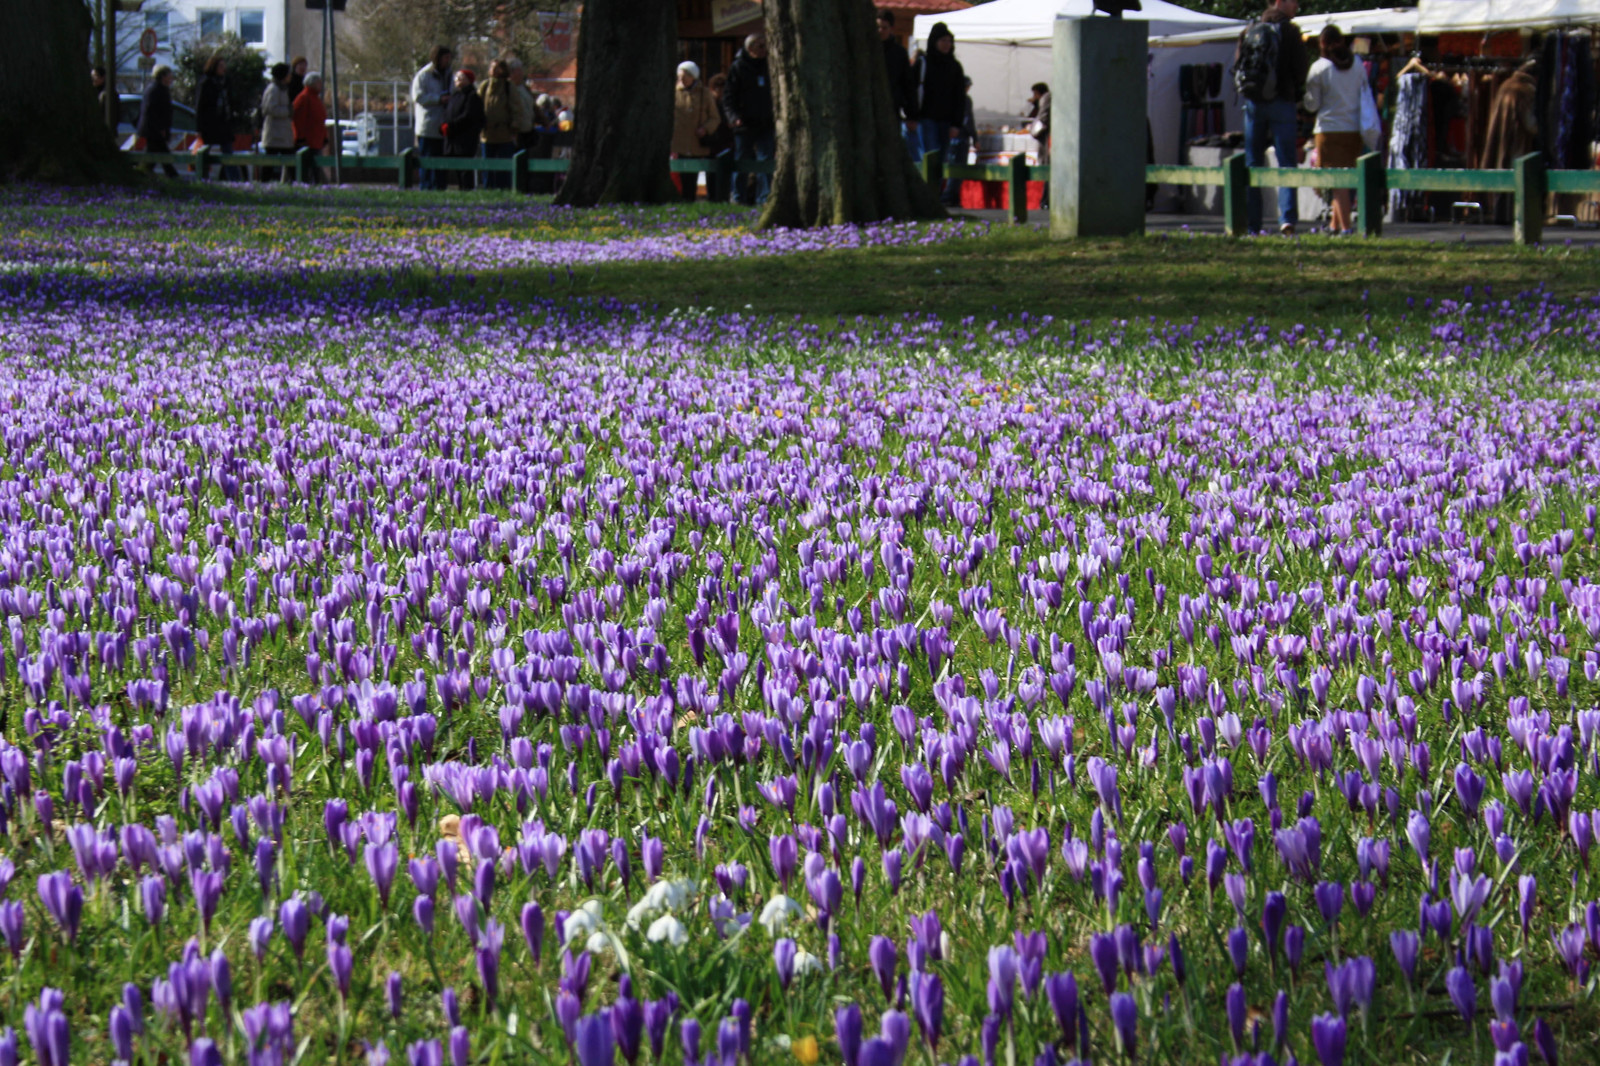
[
  {"x": 847, "y": 1030},
  {"x": 783, "y": 953},
  {"x": 1328, "y": 1036},
  {"x": 295, "y": 920},
  {"x": 593, "y": 1040},
  {"x": 927, "y": 1002},
  {"x": 881, "y": 954},
  {"x": 1125, "y": 1021},
  {"x": 1236, "y": 1008},
  {"x": 1061, "y": 991},
  {"x": 63, "y": 900},
  {"x": 1463, "y": 993}
]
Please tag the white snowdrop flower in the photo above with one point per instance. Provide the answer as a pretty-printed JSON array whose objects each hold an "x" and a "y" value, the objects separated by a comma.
[
  {"x": 598, "y": 943},
  {"x": 776, "y": 914},
  {"x": 589, "y": 918},
  {"x": 805, "y": 962},
  {"x": 667, "y": 929},
  {"x": 661, "y": 897}
]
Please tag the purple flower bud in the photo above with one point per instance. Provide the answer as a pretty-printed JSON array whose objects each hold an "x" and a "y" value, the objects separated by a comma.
[
  {"x": 1463, "y": 993},
  {"x": 1328, "y": 1039},
  {"x": 1125, "y": 1020}
]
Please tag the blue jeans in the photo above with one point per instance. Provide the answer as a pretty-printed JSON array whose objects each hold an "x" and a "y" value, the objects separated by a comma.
[
  {"x": 498, "y": 179},
  {"x": 1271, "y": 121},
  {"x": 753, "y": 146},
  {"x": 913, "y": 138},
  {"x": 935, "y": 137},
  {"x": 429, "y": 148}
]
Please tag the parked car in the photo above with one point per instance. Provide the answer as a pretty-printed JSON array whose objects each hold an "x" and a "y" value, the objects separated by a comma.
[{"x": 184, "y": 127}]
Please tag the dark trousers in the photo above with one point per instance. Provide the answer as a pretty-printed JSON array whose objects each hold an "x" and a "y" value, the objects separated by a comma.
[
  {"x": 689, "y": 184},
  {"x": 751, "y": 189},
  {"x": 498, "y": 179},
  {"x": 718, "y": 185},
  {"x": 313, "y": 173},
  {"x": 431, "y": 148}
]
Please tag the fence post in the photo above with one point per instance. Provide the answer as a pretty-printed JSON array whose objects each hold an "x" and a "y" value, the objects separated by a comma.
[
  {"x": 202, "y": 160},
  {"x": 933, "y": 170},
  {"x": 1527, "y": 223},
  {"x": 519, "y": 173},
  {"x": 302, "y": 165},
  {"x": 1019, "y": 189},
  {"x": 1236, "y": 195},
  {"x": 408, "y": 167},
  {"x": 1372, "y": 193}
]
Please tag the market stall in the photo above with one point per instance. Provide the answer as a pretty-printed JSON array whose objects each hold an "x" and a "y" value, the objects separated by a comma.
[{"x": 1005, "y": 47}]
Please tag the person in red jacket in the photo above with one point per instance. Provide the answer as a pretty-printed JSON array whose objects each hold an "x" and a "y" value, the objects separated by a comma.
[{"x": 311, "y": 122}]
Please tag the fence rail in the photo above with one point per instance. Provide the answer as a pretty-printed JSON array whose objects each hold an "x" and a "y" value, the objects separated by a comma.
[{"x": 1527, "y": 182}]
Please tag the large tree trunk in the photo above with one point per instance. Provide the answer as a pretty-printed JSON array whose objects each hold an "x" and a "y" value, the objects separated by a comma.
[
  {"x": 841, "y": 157},
  {"x": 51, "y": 124},
  {"x": 626, "y": 57}
]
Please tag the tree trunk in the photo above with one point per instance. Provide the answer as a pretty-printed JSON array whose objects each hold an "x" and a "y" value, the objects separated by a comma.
[
  {"x": 841, "y": 157},
  {"x": 623, "y": 121},
  {"x": 51, "y": 124}
]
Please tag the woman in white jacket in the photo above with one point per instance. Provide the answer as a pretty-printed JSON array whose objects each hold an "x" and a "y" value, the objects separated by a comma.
[
  {"x": 277, "y": 120},
  {"x": 1334, "y": 87}
]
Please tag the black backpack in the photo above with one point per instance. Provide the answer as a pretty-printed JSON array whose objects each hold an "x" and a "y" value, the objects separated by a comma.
[{"x": 1255, "y": 75}]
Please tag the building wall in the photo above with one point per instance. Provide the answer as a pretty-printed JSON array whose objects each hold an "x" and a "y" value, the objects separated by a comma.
[{"x": 262, "y": 23}]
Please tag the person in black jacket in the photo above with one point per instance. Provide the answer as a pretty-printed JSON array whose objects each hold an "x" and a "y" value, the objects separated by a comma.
[
  {"x": 155, "y": 117},
  {"x": 939, "y": 89},
  {"x": 748, "y": 103},
  {"x": 213, "y": 113},
  {"x": 463, "y": 124},
  {"x": 897, "y": 64},
  {"x": 720, "y": 143}
]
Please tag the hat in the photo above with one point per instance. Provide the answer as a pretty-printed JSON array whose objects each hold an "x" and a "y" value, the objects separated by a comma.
[{"x": 692, "y": 67}]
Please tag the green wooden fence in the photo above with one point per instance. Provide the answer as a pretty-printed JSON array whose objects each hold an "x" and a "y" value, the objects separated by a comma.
[{"x": 1527, "y": 182}]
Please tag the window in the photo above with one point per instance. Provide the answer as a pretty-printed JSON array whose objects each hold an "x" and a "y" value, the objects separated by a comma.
[
  {"x": 156, "y": 20},
  {"x": 253, "y": 27},
  {"x": 210, "y": 24}
]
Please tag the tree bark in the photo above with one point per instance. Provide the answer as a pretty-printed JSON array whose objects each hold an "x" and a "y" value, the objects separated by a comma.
[
  {"x": 623, "y": 122},
  {"x": 51, "y": 125},
  {"x": 841, "y": 156}
]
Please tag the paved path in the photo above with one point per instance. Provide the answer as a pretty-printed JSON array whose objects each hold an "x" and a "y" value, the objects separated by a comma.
[{"x": 1470, "y": 233}]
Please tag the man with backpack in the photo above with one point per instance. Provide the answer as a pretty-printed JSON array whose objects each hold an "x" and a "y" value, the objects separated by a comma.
[{"x": 1269, "y": 72}]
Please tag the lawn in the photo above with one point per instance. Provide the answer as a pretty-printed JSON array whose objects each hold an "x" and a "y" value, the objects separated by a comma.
[{"x": 468, "y": 630}]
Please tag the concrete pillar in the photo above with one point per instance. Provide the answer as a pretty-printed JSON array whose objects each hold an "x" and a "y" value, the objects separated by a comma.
[{"x": 1097, "y": 127}]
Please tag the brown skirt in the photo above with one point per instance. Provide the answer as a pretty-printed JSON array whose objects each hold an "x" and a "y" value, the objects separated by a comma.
[{"x": 1339, "y": 150}]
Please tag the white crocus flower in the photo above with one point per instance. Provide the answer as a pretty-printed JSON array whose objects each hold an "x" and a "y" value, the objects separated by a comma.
[
  {"x": 667, "y": 929},
  {"x": 776, "y": 914},
  {"x": 661, "y": 897},
  {"x": 588, "y": 919}
]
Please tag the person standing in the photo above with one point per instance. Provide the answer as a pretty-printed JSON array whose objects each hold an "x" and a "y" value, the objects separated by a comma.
[
  {"x": 719, "y": 145},
  {"x": 311, "y": 122},
  {"x": 694, "y": 117},
  {"x": 430, "y": 93},
  {"x": 297, "y": 75},
  {"x": 155, "y": 117},
  {"x": 1333, "y": 93},
  {"x": 961, "y": 145},
  {"x": 1269, "y": 72},
  {"x": 897, "y": 65},
  {"x": 213, "y": 114},
  {"x": 499, "y": 121},
  {"x": 462, "y": 125},
  {"x": 749, "y": 106},
  {"x": 526, "y": 111},
  {"x": 939, "y": 85},
  {"x": 1039, "y": 129},
  {"x": 277, "y": 121}
]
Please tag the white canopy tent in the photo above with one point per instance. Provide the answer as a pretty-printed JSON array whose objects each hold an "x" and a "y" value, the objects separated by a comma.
[
  {"x": 1355, "y": 23},
  {"x": 1005, "y": 48},
  {"x": 1469, "y": 16}
]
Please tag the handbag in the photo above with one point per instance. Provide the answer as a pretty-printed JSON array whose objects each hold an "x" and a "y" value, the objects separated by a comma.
[
  {"x": 1371, "y": 121},
  {"x": 1036, "y": 128}
]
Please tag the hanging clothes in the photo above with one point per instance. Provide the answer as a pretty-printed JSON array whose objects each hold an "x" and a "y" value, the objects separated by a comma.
[
  {"x": 1565, "y": 100},
  {"x": 1408, "y": 138}
]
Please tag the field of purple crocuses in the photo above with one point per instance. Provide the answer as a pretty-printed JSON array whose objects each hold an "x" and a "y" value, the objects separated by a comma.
[{"x": 394, "y": 673}]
